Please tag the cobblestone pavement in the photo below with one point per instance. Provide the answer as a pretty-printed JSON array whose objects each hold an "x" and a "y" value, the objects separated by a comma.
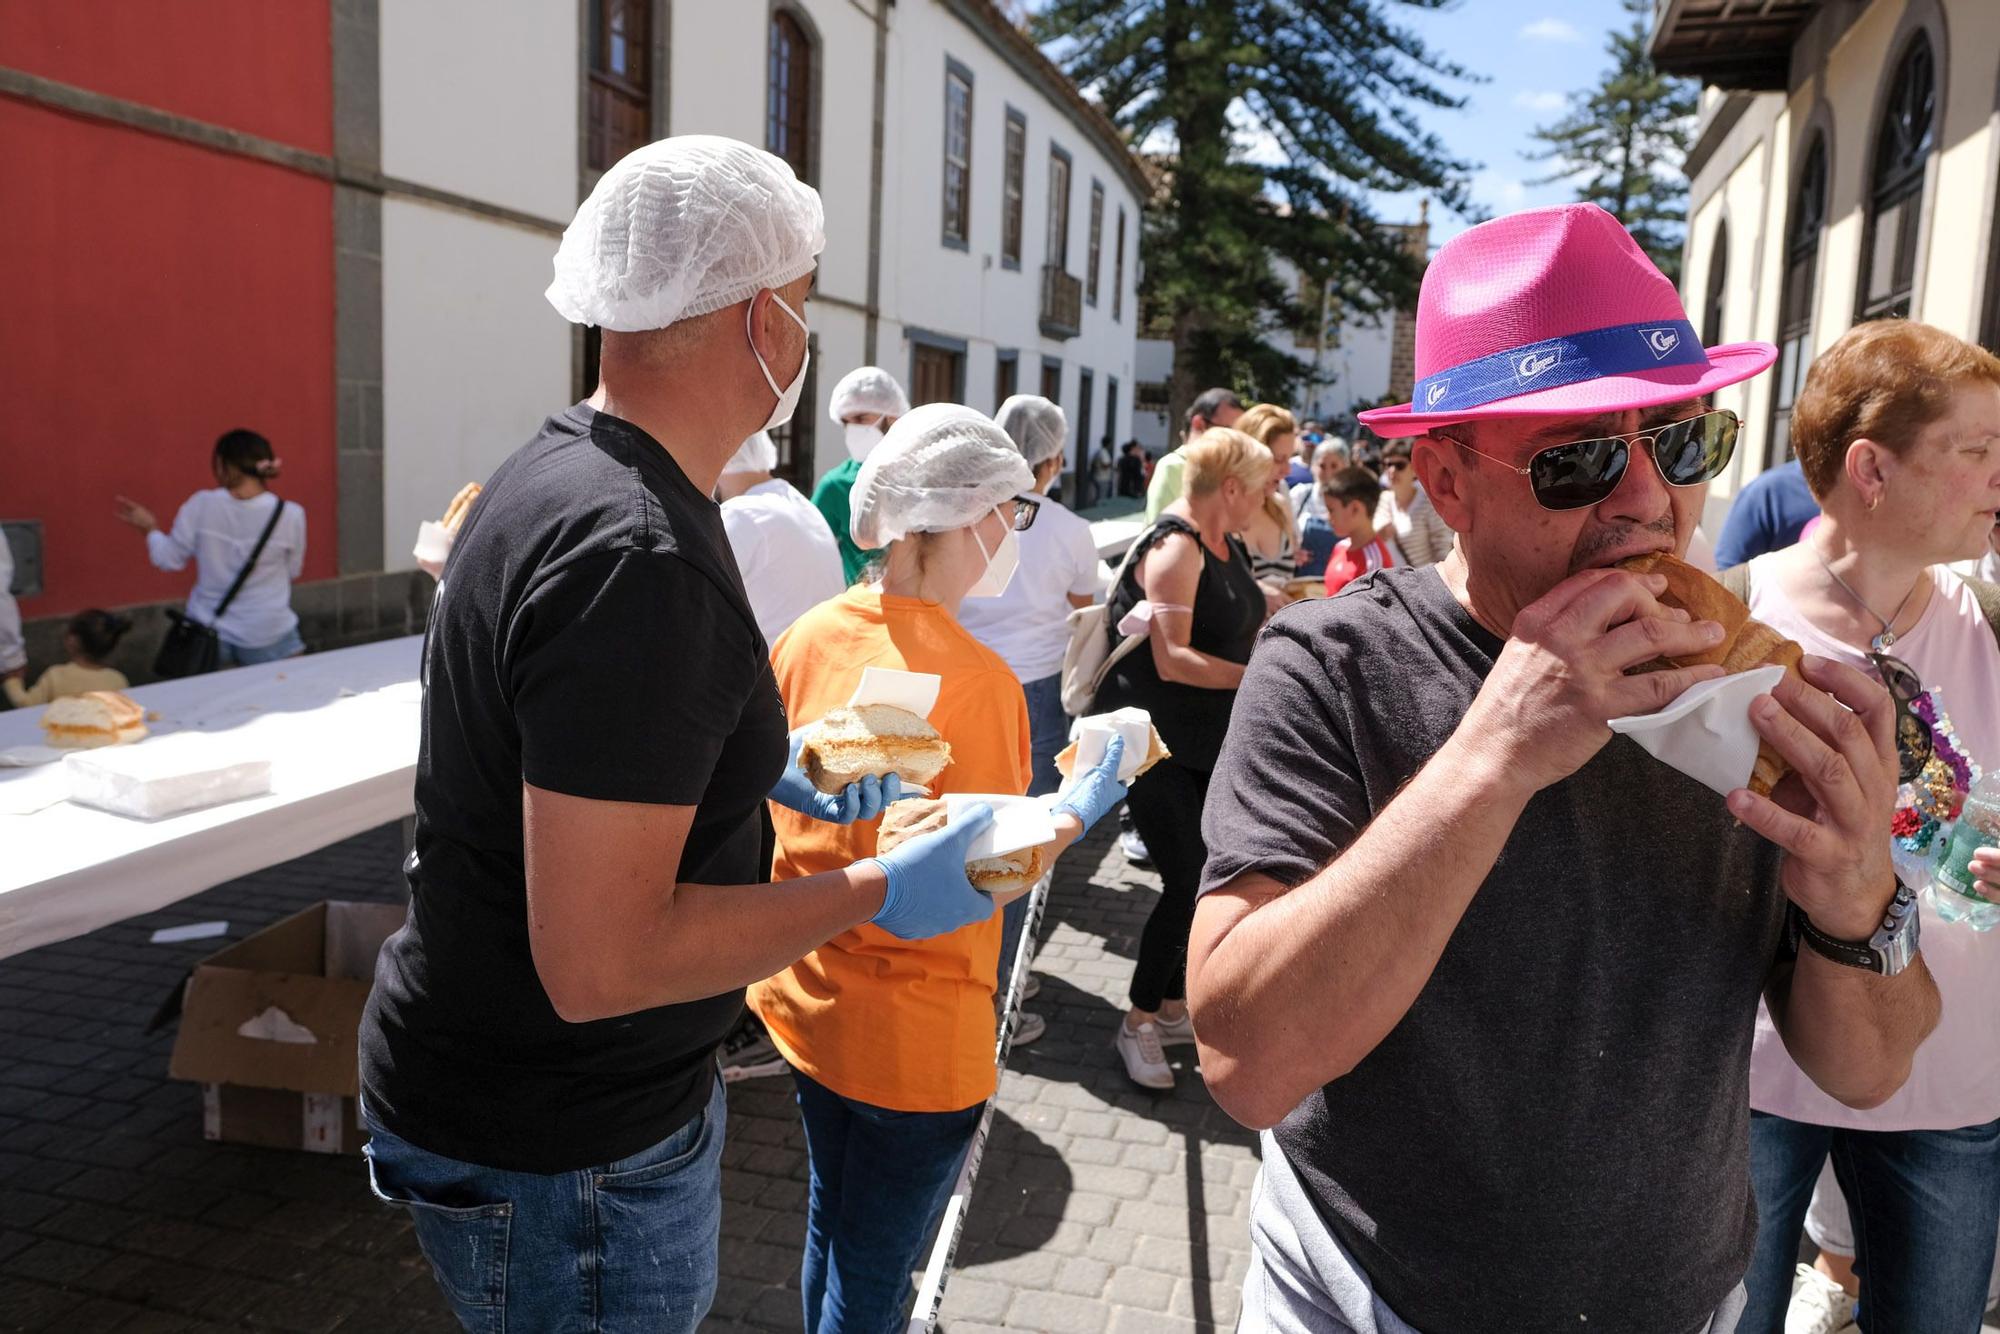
[{"x": 1099, "y": 1206}]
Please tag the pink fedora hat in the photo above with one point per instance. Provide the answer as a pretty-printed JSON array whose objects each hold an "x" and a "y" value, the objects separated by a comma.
[{"x": 1554, "y": 312}]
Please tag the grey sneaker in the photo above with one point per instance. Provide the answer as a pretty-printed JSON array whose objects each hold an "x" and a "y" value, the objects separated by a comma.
[
  {"x": 748, "y": 1053},
  {"x": 1028, "y": 1026},
  {"x": 1145, "y": 1060}
]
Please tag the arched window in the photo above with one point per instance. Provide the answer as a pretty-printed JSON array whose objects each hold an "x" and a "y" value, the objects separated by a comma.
[
  {"x": 1903, "y": 147},
  {"x": 1718, "y": 283},
  {"x": 788, "y": 115},
  {"x": 1795, "y": 315}
]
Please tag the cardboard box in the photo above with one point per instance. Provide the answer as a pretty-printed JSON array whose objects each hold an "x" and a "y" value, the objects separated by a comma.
[{"x": 268, "y": 1029}]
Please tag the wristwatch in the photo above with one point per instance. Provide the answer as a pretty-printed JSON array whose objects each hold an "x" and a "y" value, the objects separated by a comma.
[{"x": 1888, "y": 952}]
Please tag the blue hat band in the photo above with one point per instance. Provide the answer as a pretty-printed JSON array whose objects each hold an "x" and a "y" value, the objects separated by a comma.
[{"x": 1591, "y": 355}]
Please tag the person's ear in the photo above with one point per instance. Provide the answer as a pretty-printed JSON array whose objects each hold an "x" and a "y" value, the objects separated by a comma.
[
  {"x": 1868, "y": 466},
  {"x": 1444, "y": 470}
]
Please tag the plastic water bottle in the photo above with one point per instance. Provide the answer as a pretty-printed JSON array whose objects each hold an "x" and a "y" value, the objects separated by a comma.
[{"x": 1978, "y": 827}]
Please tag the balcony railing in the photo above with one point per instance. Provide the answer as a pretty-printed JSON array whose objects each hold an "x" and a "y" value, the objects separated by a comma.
[{"x": 1062, "y": 303}]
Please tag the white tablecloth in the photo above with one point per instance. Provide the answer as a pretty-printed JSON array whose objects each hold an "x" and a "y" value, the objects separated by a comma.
[{"x": 340, "y": 728}]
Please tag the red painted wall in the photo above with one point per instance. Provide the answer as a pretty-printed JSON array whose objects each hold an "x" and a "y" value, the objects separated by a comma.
[
  {"x": 157, "y": 294},
  {"x": 263, "y": 66}
]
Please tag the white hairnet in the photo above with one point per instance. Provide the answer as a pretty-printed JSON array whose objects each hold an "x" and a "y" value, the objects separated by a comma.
[
  {"x": 682, "y": 227},
  {"x": 939, "y": 468},
  {"x": 1038, "y": 427},
  {"x": 867, "y": 389},
  {"x": 757, "y": 454}
]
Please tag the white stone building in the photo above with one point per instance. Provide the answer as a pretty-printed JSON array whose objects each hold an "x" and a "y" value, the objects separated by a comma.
[{"x": 1846, "y": 167}]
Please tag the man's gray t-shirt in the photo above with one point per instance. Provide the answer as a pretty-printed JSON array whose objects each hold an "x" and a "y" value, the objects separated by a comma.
[{"x": 1556, "y": 1135}]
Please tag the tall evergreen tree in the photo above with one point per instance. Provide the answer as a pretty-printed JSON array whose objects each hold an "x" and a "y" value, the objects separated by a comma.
[
  {"x": 1330, "y": 90},
  {"x": 1623, "y": 144}
]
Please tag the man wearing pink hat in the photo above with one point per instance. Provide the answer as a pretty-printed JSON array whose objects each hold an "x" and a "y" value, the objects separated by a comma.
[{"x": 1485, "y": 975}]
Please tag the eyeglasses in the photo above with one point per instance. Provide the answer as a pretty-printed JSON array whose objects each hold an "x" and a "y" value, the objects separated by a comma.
[
  {"x": 1914, "y": 741},
  {"x": 1025, "y": 510},
  {"x": 1583, "y": 473}
]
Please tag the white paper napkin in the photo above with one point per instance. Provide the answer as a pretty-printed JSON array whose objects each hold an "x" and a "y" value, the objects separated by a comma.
[
  {"x": 27, "y": 756},
  {"x": 1092, "y": 733},
  {"x": 1018, "y": 822},
  {"x": 434, "y": 541},
  {"x": 914, "y": 691},
  {"x": 1706, "y": 733}
]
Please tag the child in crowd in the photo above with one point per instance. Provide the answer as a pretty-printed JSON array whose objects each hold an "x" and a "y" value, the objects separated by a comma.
[
  {"x": 90, "y": 639},
  {"x": 1351, "y": 497}
]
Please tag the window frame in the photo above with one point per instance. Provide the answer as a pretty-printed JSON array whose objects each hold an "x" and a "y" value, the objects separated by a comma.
[
  {"x": 1900, "y": 185},
  {"x": 1009, "y": 357},
  {"x": 1014, "y": 188},
  {"x": 923, "y": 340},
  {"x": 1118, "y": 273},
  {"x": 961, "y": 217},
  {"x": 807, "y": 100},
  {"x": 1058, "y": 256},
  {"x": 1805, "y": 234},
  {"x": 1093, "y": 246},
  {"x": 1714, "y": 303},
  {"x": 630, "y": 89},
  {"x": 1055, "y": 365}
]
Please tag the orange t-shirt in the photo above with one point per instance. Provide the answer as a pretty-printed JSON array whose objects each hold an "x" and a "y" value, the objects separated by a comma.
[{"x": 903, "y": 1024}]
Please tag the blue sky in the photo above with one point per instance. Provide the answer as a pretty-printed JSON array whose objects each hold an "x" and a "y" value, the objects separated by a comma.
[{"x": 1533, "y": 52}]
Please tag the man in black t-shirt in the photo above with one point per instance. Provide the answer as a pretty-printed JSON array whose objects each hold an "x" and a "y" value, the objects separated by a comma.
[
  {"x": 1486, "y": 973},
  {"x": 600, "y": 729}
]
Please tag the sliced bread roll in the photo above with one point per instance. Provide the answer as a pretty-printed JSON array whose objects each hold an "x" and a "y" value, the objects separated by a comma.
[
  {"x": 99, "y": 718},
  {"x": 880, "y": 739},
  {"x": 1156, "y": 750},
  {"x": 995, "y": 875}
]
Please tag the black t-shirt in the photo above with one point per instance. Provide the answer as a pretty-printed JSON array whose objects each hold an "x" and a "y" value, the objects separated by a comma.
[
  {"x": 1556, "y": 1136},
  {"x": 591, "y": 636},
  {"x": 1228, "y": 608}
]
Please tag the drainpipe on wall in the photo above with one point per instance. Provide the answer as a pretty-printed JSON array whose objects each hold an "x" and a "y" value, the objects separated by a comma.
[{"x": 875, "y": 184}]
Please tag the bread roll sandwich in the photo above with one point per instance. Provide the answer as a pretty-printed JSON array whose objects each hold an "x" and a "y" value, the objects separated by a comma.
[
  {"x": 880, "y": 739},
  {"x": 100, "y": 718},
  {"x": 461, "y": 505},
  {"x": 1156, "y": 750},
  {"x": 1746, "y": 643},
  {"x": 995, "y": 875}
]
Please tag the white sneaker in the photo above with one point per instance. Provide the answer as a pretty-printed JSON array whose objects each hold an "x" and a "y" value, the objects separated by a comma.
[
  {"x": 1145, "y": 1059},
  {"x": 1028, "y": 1026},
  {"x": 1134, "y": 848},
  {"x": 1031, "y": 988},
  {"x": 1176, "y": 1032},
  {"x": 1819, "y": 1305}
]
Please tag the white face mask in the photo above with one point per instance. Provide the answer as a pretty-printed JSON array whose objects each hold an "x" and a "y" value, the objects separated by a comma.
[
  {"x": 861, "y": 439},
  {"x": 1000, "y": 564},
  {"x": 788, "y": 397}
]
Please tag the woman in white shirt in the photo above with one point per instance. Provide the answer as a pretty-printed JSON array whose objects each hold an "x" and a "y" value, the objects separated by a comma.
[
  {"x": 1406, "y": 511},
  {"x": 217, "y": 530},
  {"x": 783, "y": 546}
]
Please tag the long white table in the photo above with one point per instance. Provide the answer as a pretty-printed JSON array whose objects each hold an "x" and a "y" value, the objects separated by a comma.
[{"x": 340, "y": 728}]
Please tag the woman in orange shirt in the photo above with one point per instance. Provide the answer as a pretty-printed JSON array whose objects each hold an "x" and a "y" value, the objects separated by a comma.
[{"x": 891, "y": 1041}]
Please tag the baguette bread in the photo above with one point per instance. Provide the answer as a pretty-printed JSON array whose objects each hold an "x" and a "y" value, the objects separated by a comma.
[
  {"x": 1746, "y": 643},
  {"x": 995, "y": 875},
  {"x": 99, "y": 718},
  {"x": 461, "y": 505},
  {"x": 880, "y": 739},
  {"x": 1156, "y": 750}
]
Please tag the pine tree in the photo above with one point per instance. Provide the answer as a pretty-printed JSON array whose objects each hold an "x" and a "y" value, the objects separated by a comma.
[
  {"x": 1331, "y": 89},
  {"x": 1623, "y": 143}
]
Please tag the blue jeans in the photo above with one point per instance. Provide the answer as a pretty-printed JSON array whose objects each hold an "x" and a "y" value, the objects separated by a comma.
[
  {"x": 629, "y": 1246},
  {"x": 1925, "y": 1205},
  {"x": 879, "y": 1180},
  {"x": 1048, "y": 733},
  {"x": 243, "y": 655}
]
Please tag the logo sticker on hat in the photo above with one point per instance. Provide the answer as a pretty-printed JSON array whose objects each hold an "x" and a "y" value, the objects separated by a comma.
[
  {"x": 1436, "y": 392},
  {"x": 1661, "y": 341},
  {"x": 1533, "y": 364}
]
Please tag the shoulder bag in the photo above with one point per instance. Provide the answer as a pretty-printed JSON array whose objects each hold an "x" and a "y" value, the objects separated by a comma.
[{"x": 191, "y": 648}]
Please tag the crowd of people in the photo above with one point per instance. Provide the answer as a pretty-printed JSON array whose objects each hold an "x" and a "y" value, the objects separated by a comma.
[{"x": 1539, "y": 1031}]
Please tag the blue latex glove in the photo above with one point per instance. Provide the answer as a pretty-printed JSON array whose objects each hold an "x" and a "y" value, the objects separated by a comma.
[
  {"x": 857, "y": 801},
  {"x": 929, "y": 893},
  {"x": 1096, "y": 791}
]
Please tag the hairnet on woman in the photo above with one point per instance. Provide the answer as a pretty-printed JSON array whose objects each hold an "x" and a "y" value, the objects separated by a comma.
[{"x": 890, "y": 1041}]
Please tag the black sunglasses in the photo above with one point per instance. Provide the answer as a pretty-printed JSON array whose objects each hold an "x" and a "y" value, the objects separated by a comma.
[
  {"x": 1583, "y": 473},
  {"x": 1914, "y": 742},
  {"x": 1025, "y": 510}
]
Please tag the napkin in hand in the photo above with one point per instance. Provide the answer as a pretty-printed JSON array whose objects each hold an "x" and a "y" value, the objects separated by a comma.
[{"x": 1706, "y": 733}]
